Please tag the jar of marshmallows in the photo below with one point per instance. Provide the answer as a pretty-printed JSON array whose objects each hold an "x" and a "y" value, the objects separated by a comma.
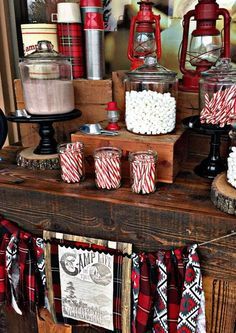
[{"x": 151, "y": 94}]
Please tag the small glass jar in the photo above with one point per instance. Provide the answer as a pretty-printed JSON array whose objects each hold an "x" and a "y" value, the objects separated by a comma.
[
  {"x": 47, "y": 81},
  {"x": 108, "y": 167},
  {"x": 231, "y": 171},
  {"x": 151, "y": 94},
  {"x": 218, "y": 94},
  {"x": 71, "y": 157},
  {"x": 143, "y": 171}
]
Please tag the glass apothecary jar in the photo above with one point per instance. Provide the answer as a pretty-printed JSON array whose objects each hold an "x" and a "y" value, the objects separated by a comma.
[
  {"x": 71, "y": 158},
  {"x": 107, "y": 163},
  {"x": 151, "y": 94},
  {"x": 231, "y": 161},
  {"x": 47, "y": 81},
  {"x": 143, "y": 171},
  {"x": 218, "y": 94}
]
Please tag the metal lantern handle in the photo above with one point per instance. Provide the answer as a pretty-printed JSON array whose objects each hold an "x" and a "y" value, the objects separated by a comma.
[
  {"x": 131, "y": 39},
  {"x": 158, "y": 35},
  {"x": 227, "y": 19},
  {"x": 184, "y": 48}
]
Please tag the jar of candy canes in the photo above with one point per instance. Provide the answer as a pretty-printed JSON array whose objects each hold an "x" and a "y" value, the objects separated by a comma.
[
  {"x": 151, "y": 93},
  {"x": 107, "y": 163},
  {"x": 71, "y": 157},
  {"x": 218, "y": 94},
  {"x": 143, "y": 171},
  {"x": 231, "y": 172}
]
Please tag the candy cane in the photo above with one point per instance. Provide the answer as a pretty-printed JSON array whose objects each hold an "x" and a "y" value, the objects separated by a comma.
[
  {"x": 107, "y": 170},
  {"x": 143, "y": 174},
  {"x": 71, "y": 162},
  {"x": 221, "y": 107}
]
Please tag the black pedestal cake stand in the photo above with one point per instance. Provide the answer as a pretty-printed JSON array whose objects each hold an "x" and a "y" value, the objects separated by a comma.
[
  {"x": 44, "y": 156},
  {"x": 213, "y": 164}
]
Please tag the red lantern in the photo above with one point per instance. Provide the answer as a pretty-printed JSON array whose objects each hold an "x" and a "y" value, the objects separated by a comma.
[
  {"x": 145, "y": 35},
  {"x": 206, "y": 45}
]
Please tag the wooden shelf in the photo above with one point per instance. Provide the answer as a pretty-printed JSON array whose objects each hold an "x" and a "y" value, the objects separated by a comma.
[{"x": 176, "y": 214}]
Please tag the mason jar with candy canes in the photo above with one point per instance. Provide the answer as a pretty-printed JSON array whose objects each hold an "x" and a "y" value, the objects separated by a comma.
[
  {"x": 143, "y": 171},
  {"x": 107, "y": 163},
  {"x": 218, "y": 94},
  {"x": 71, "y": 157}
]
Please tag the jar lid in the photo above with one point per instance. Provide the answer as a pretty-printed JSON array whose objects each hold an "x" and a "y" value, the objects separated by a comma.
[
  {"x": 223, "y": 70},
  {"x": 151, "y": 69},
  {"x": 44, "y": 51}
]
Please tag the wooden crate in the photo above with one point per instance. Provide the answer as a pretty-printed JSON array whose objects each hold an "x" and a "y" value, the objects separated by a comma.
[
  {"x": 91, "y": 97},
  {"x": 171, "y": 150},
  {"x": 187, "y": 105}
]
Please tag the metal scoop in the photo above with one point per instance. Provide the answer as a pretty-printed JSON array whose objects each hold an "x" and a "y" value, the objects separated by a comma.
[{"x": 96, "y": 129}]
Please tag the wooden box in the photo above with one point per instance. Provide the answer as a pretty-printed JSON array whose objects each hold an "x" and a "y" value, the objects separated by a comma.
[
  {"x": 171, "y": 150},
  {"x": 91, "y": 98}
]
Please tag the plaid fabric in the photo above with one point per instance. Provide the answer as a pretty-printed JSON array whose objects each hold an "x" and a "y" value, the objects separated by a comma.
[
  {"x": 70, "y": 43},
  {"x": 161, "y": 284},
  {"x": 145, "y": 297},
  {"x": 175, "y": 280},
  {"x": 3, "y": 274},
  {"x": 118, "y": 260},
  {"x": 19, "y": 285}
]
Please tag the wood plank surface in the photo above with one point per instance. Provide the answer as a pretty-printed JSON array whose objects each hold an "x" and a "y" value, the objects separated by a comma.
[{"x": 177, "y": 214}]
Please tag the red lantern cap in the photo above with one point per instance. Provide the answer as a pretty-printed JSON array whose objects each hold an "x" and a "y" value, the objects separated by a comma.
[
  {"x": 90, "y": 3},
  {"x": 93, "y": 21},
  {"x": 112, "y": 106}
]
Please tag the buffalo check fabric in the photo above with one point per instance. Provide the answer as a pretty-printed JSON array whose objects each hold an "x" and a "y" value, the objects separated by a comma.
[
  {"x": 57, "y": 302},
  {"x": 20, "y": 283},
  {"x": 70, "y": 44},
  {"x": 167, "y": 294}
]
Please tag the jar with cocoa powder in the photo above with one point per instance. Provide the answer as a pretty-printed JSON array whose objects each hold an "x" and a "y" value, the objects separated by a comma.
[{"x": 47, "y": 81}]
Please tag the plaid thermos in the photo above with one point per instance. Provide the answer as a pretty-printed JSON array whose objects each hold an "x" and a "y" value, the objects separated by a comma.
[{"x": 70, "y": 36}]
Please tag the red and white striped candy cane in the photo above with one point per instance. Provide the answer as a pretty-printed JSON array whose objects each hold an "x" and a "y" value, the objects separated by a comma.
[
  {"x": 220, "y": 108},
  {"x": 71, "y": 162},
  {"x": 142, "y": 168},
  {"x": 107, "y": 168}
]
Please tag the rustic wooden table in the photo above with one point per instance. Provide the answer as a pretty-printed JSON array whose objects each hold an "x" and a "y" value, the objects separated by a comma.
[{"x": 177, "y": 214}]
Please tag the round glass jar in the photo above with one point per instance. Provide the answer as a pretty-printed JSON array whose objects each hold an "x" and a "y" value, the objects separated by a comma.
[
  {"x": 71, "y": 158},
  {"x": 143, "y": 171},
  {"x": 231, "y": 161},
  {"x": 218, "y": 94},
  {"x": 151, "y": 94},
  {"x": 47, "y": 81},
  {"x": 107, "y": 167}
]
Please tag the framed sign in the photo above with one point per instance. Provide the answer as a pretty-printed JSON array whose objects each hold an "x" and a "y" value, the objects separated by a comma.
[{"x": 93, "y": 279}]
